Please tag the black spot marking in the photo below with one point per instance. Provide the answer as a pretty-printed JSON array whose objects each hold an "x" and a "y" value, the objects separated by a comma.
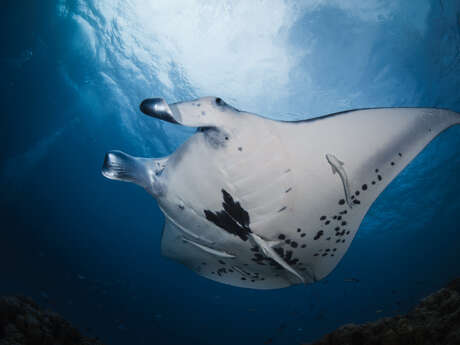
[
  {"x": 373, "y": 182},
  {"x": 343, "y": 212},
  {"x": 288, "y": 190},
  {"x": 344, "y": 223},
  {"x": 341, "y": 201},
  {"x": 357, "y": 202},
  {"x": 203, "y": 263},
  {"x": 357, "y": 193},
  {"x": 334, "y": 249},
  {"x": 343, "y": 241},
  {"x": 282, "y": 209},
  {"x": 299, "y": 230},
  {"x": 243, "y": 278},
  {"x": 392, "y": 163},
  {"x": 322, "y": 218},
  {"x": 328, "y": 250},
  {"x": 302, "y": 235},
  {"x": 181, "y": 206},
  {"x": 294, "y": 244},
  {"x": 324, "y": 254},
  {"x": 282, "y": 236},
  {"x": 337, "y": 241},
  {"x": 335, "y": 217},
  {"x": 233, "y": 218},
  {"x": 399, "y": 154},
  {"x": 376, "y": 171},
  {"x": 221, "y": 271},
  {"x": 219, "y": 101},
  {"x": 240, "y": 148},
  {"x": 303, "y": 246},
  {"x": 203, "y": 113},
  {"x": 288, "y": 241},
  {"x": 222, "y": 262},
  {"x": 364, "y": 187},
  {"x": 230, "y": 270},
  {"x": 318, "y": 235},
  {"x": 316, "y": 254},
  {"x": 328, "y": 239},
  {"x": 339, "y": 218},
  {"x": 327, "y": 222},
  {"x": 348, "y": 232},
  {"x": 352, "y": 197},
  {"x": 337, "y": 228},
  {"x": 379, "y": 177},
  {"x": 287, "y": 256}
]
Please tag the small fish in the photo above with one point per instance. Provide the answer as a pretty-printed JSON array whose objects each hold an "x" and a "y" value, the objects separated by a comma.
[
  {"x": 351, "y": 280},
  {"x": 218, "y": 253},
  {"x": 337, "y": 167},
  {"x": 267, "y": 248}
]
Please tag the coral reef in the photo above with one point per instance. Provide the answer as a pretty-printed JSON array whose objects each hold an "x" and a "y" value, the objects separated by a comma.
[
  {"x": 22, "y": 322},
  {"x": 434, "y": 321}
]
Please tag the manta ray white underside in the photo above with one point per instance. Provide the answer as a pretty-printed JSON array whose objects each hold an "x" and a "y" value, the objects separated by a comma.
[{"x": 265, "y": 204}]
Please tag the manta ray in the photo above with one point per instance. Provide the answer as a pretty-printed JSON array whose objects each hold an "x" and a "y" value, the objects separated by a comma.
[{"x": 264, "y": 204}]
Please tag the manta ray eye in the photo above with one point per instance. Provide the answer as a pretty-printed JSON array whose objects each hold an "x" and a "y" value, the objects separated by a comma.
[{"x": 219, "y": 101}]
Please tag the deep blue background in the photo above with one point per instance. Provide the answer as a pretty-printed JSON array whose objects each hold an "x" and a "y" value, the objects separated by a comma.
[{"x": 71, "y": 78}]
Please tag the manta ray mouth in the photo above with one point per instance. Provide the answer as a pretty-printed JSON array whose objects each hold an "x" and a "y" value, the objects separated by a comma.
[{"x": 159, "y": 109}]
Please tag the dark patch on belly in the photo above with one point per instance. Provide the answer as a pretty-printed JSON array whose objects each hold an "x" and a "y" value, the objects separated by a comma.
[{"x": 233, "y": 218}]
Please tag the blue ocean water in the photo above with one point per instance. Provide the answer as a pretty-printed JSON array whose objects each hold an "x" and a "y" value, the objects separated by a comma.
[{"x": 72, "y": 76}]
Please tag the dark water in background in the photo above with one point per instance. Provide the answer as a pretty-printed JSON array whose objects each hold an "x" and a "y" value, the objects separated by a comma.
[{"x": 72, "y": 76}]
